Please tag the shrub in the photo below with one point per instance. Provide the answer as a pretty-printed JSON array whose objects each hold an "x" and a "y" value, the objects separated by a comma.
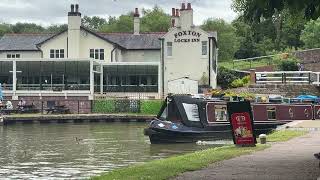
[
  {"x": 288, "y": 65},
  {"x": 240, "y": 82},
  {"x": 225, "y": 77},
  {"x": 151, "y": 106},
  {"x": 104, "y": 106}
]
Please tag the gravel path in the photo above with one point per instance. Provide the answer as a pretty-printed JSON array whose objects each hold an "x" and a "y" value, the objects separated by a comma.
[{"x": 292, "y": 160}]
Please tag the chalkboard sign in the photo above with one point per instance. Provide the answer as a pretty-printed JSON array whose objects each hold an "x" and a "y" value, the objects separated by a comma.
[{"x": 241, "y": 121}]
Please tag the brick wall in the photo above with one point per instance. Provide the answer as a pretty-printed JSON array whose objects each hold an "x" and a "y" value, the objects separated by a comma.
[{"x": 75, "y": 104}]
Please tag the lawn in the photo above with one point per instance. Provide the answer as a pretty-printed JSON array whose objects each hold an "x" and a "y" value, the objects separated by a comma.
[
  {"x": 173, "y": 166},
  {"x": 246, "y": 65}
]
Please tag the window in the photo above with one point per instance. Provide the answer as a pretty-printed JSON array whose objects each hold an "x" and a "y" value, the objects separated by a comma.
[
  {"x": 204, "y": 48},
  {"x": 56, "y": 53},
  {"x": 191, "y": 111},
  {"x": 271, "y": 110},
  {"x": 169, "y": 48},
  {"x": 97, "y": 54},
  {"x": 13, "y": 56}
]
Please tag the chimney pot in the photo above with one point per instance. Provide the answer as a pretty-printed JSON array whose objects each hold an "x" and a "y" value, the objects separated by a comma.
[
  {"x": 189, "y": 6},
  {"x": 177, "y": 13},
  {"x": 173, "y": 12},
  {"x": 136, "y": 13},
  {"x": 77, "y": 7},
  {"x": 72, "y": 8},
  {"x": 183, "y": 6}
]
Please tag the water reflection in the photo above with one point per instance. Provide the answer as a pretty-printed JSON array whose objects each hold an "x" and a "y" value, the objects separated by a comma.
[{"x": 73, "y": 151}]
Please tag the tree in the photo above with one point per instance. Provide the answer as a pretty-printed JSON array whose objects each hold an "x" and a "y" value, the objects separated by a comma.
[
  {"x": 311, "y": 34},
  {"x": 27, "y": 28},
  {"x": 94, "y": 22},
  {"x": 123, "y": 23},
  {"x": 155, "y": 20},
  {"x": 56, "y": 28},
  {"x": 5, "y": 28},
  {"x": 253, "y": 10},
  {"x": 227, "y": 39}
]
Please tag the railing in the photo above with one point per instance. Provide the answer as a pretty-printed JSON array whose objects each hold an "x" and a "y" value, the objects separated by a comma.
[{"x": 287, "y": 77}]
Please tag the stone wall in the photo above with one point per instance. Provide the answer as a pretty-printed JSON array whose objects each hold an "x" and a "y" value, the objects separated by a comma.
[
  {"x": 310, "y": 59},
  {"x": 281, "y": 89}
]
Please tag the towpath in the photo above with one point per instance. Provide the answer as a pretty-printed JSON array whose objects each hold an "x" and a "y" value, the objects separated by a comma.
[{"x": 292, "y": 160}]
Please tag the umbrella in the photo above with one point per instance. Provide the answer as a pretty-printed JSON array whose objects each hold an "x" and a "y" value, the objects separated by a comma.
[{"x": 1, "y": 94}]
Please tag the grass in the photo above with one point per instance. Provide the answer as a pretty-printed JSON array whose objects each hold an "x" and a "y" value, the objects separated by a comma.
[
  {"x": 173, "y": 166},
  {"x": 245, "y": 65},
  {"x": 285, "y": 135}
]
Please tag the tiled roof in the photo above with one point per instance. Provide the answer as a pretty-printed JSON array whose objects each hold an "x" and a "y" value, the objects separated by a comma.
[
  {"x": 135, "y": 42},
  {"x": 22, "y": 42}
]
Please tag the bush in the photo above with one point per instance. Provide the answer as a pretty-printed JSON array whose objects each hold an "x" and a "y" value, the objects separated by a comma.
[
  {"x": 288, "y": 65},
  {"x": 151, "y": 106},
  {"x": 240, "y": 82},
  {"x": 225, "y": 77},
  {"x": 104, "y": 106}
]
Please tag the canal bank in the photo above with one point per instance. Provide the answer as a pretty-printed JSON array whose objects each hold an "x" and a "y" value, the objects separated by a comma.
[
  {"x": 174, "y": 166},
  {"x": 74, "y": 118}
]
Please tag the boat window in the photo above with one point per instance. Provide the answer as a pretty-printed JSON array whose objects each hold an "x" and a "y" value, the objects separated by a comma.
[
  {"x": 164, "y": 114},
  {"x": 191, "y": 111},
  {"x": 271, "y": 110},
  {"x": 221, "y": 113}
]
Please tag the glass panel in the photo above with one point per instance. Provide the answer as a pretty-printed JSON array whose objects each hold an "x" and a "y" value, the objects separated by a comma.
[
  {"x": 91, "y": 53},
  {"x": 57, "y": 53},
  {"x": 96, "y": 53},
  {"x": 61, "y": 53},
  {"x": 8, "y": 55},
  {"x": 204, "y": 47},
  {"x": 17, "y": 55},
  {"x": 191, "y": 111},
  {"x": 169, "y": 48}
]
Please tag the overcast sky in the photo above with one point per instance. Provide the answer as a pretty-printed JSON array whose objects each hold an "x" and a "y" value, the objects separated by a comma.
[{"x": 46, "y": 12}]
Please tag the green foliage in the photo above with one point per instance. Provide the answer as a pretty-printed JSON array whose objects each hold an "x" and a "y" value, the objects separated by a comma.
[
  {"x": 227, "y": 39},
  {"x": 311, "y": 34},
  {"x": 94, "y": 22},
  {"x": 288, "y": 65},
  {"x": 104, "y": 106},
  {"x": 285, "y": 135},
  {"x": 259, "y": 10},
  {"x": 225, "y": 77},
  {"x": 155, "y": 20},
  {"x": 240, "y": 82},
  {"x": 27, "y": 28},
  {"x": 113, "y": 106},
  {"x": 151, "y": 106},
  {"x": 170, "y": 167}
]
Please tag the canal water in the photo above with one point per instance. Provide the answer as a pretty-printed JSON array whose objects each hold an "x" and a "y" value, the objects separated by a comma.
[{"x": 77, "y": 151}]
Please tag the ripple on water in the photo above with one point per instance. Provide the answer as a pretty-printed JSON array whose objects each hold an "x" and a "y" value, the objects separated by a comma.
[{"x": 49, "y": 151}]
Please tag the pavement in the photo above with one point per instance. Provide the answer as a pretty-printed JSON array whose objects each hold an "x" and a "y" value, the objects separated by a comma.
[{"x": 291, "y": 160}]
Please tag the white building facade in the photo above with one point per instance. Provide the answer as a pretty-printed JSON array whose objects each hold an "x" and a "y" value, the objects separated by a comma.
[{"x": 81, "y": 62}]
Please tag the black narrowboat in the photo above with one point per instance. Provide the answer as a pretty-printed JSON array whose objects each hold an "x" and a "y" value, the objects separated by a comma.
[{"x": 184, "y": 119}]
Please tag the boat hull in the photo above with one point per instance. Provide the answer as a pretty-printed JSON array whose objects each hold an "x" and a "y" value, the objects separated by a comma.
[{"x": 182, "y": 134}]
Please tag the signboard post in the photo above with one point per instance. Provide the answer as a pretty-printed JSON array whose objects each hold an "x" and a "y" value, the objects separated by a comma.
[{"x": 241, "y": 121}]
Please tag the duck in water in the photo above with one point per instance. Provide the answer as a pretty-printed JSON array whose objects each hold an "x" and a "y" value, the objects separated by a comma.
[{"x": 78, "y": 140}]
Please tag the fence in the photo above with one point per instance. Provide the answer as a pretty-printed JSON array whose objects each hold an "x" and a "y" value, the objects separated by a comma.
[{"x": 286, "y": 77}]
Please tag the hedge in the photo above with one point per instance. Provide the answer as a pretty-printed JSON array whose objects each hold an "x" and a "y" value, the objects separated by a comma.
[{"x": 113, "y": 106}]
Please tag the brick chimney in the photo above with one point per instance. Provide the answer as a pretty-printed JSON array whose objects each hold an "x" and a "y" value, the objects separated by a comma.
[
  {"x": 74, "y": 23},
  {"x": 175, "y": 18},
  {"x": 136, "y": 22},
  {"x": 186, "y": 16}
]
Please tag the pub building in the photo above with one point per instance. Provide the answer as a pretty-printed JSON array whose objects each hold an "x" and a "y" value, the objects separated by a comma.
[{"x": 81, "y": 64}]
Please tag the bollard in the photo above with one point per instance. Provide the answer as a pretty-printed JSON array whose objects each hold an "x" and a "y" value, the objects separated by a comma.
[{"x": 263, "y": 138}]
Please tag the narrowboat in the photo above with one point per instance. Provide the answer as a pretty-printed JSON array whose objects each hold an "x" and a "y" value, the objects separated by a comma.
[{"x": 185, "y": 119}]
